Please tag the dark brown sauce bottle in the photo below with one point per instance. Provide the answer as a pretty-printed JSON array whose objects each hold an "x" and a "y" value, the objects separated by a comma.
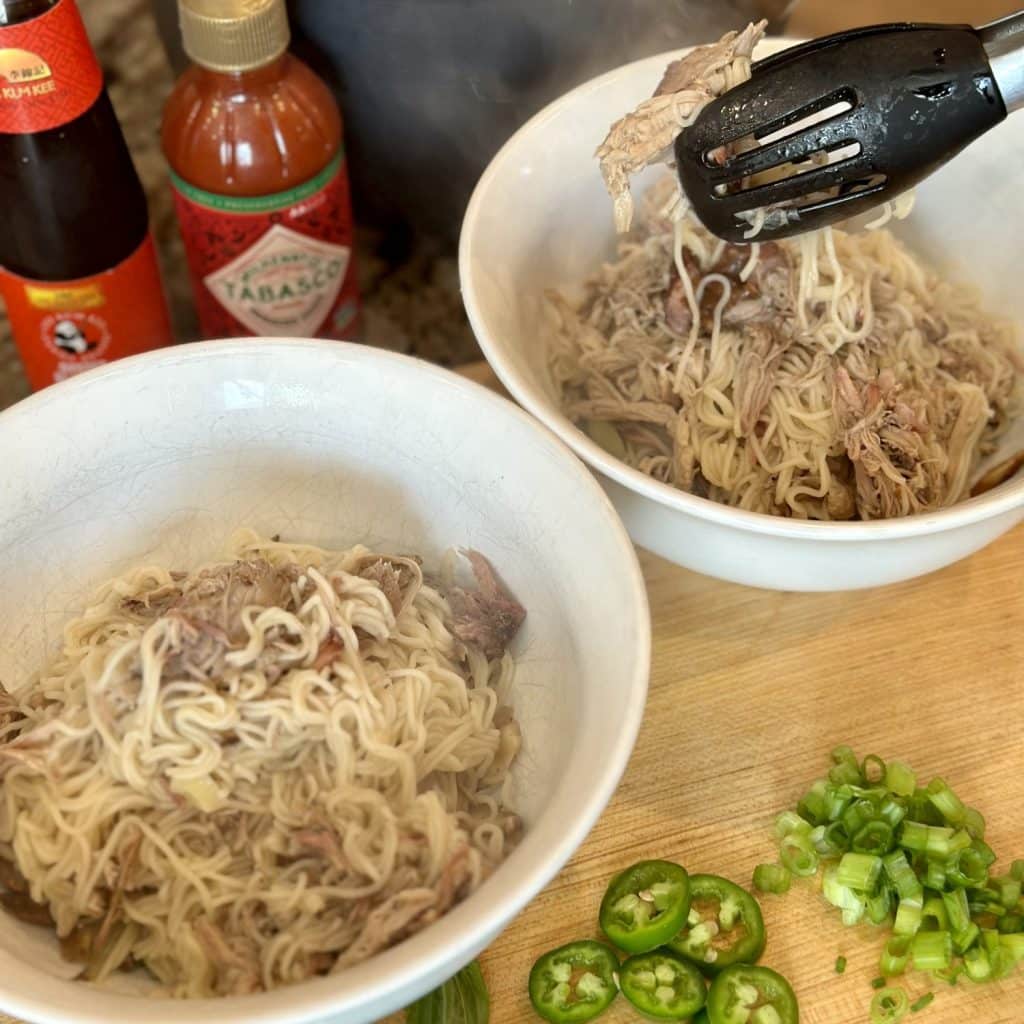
[{"x": 71, "y": 204}]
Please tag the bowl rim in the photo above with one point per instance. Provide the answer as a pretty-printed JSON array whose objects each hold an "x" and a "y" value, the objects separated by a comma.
[
  {"x": 1004, "y": 498},
  {"x": 456, "y": 937}
]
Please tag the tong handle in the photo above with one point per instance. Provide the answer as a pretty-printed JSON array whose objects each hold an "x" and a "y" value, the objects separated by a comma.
[{"x": 1004, "y": 43}]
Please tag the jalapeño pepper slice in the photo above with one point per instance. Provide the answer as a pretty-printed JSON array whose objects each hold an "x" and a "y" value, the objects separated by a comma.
[
  {"x": 743, "y": 994},
  {"x": 646, "y": 905},
  {"x": 574, "y": 983},
  {"x": 663, "y": 985},
  {"x": 724, "y": 925}
]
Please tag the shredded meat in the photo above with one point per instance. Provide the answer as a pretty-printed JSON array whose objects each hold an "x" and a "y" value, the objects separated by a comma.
[
  {"x": 236, "y": 960},
  {"x": 323, "y": 843},
  {"x": 386, "y": 924},
  {"x": 899, "y": 466},
  {"x": 217, "y": 596},
  {"x": 399, "y": 578},
  {"x": 756, "y": 373},
  {"x": 645, "y": 136},
  {"x": 747, "y": 302},
  {"x": 489, "y": 616}
]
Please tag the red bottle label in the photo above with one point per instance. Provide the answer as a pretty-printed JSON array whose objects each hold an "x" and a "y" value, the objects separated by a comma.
[
  {"x": 65, "y": 327},
  {"x": 278, "y": 265},
  {"x": 49, "y": 74}
]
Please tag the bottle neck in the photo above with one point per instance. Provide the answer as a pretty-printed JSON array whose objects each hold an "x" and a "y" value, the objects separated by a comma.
[
  {"x": 13, "y": 12},
  {"x": 252, "y": 79}
]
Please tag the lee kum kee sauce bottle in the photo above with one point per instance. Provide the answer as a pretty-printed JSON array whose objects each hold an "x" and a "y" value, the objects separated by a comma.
[
  {"x": 78, "y": 271},
  {"x": 254, "y": 141}
]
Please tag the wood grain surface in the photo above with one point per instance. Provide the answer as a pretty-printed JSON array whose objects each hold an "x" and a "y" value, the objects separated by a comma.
[{"x": 749, "y": 691}]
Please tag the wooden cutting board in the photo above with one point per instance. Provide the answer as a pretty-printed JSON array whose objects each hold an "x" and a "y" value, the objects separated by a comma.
[{"x": 749, "y": 691}]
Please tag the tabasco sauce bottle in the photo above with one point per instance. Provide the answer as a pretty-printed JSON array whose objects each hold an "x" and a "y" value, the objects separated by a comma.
[
  {"x": 254, "y": 141},
  {"x": 78, "y": 271}
]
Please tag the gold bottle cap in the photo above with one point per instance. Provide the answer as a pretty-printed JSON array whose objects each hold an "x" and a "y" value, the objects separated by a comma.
[{"x": 233, "y": 35}]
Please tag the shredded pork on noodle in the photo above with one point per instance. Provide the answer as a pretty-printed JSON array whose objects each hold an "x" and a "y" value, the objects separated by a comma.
[
  {"x": 265, "y": 770},
  {"x": 831, "y": 376}
]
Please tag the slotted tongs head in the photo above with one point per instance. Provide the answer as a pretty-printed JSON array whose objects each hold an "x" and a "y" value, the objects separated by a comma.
[{"x": 831, "y": 128}]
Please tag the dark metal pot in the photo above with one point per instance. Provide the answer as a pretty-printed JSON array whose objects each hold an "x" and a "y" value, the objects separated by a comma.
[{"x": 430, "y": 89}]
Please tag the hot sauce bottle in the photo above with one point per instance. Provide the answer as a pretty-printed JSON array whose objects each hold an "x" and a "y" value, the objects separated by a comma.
[
  {"x": 254, "y": 141},
  {"x": 78, "y": 270}
]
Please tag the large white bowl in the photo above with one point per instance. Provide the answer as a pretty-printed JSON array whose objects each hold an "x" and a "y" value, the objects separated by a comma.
[
  {"x": 158, "y": 458},
  {"x": 540, "y": 218}
]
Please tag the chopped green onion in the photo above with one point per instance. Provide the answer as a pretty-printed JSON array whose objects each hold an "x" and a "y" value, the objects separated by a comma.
[
  {"x": 946, "y": 802},
  {"x": 842, "y": 896},
  {"x": 935, "y": 875},
  {"x": 859, "y": 871},
  {"x": 902, "y": 876},
  {"x": 843, "y": 753},
  {"x": 958, "y": 914},
  {"x": 977, "y": 964},
  {"x": 974, "y": 822},
  {"x": 878, "y": 982},
  {"x": 789, "y": 822},
  {"x": 921, "y": 838},
  {"x": 845, "y": 773},
  {"x": 921, "y": 1003},
  {"x": 921, "y": 809},
  {"x": 874, "y": 837},
  {"x": 984, "y": 851},
  {"x": 967, "y": 870},
  {"x": 836, "y": 839},
  {"x": 935, "y": 910},
  {"x": 994, "y": 950},
  {"x": 873, "y": 769},
  {"x": 773, "y": 878},
  {"x": 857, "y": 815},
  {"x": 931, "y": 951},
  {"x": 812, "y": 807},
  {"x": 879, "y": 904},
  {"x": 798, "y": 855},
  {"x": 899, "y": 779},
  {"x": 1013, "y": 946},
  {"x": 988, "y": 905},
  {"x": 1010, "y": 923},
  {"x": 836, "y": 801},
  {"x": 908, "y": 916},
  {"x": 961, "y": 841},
  {"x": 889, "y": 1006},
  {"x": 909, "y": 856},
  {"x": 963, "y": 940},
  {"x": 891, "y": 811},
  {"x": 1008, "y": 888},
  {"x": 895, "y": 956}
]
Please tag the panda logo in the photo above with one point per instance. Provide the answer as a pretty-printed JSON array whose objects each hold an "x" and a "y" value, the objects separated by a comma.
[{"x": 71, "y": 339}]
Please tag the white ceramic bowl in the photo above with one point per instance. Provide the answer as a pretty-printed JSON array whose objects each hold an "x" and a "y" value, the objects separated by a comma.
[
  {"x": 158, "y": 458},
  {"x": 540, "y": 218}
]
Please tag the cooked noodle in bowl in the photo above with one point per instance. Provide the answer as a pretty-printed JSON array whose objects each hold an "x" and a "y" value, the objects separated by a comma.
[
  {"x": 263, "y": 770},
  {"x": 831, "y": 377}
]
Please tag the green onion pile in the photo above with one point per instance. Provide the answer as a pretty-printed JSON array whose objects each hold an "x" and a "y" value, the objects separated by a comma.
[{"x": 911, "y": 857}]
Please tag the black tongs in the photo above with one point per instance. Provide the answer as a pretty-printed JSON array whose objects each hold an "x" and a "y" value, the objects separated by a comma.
[{"x": 833, "y": 127}]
